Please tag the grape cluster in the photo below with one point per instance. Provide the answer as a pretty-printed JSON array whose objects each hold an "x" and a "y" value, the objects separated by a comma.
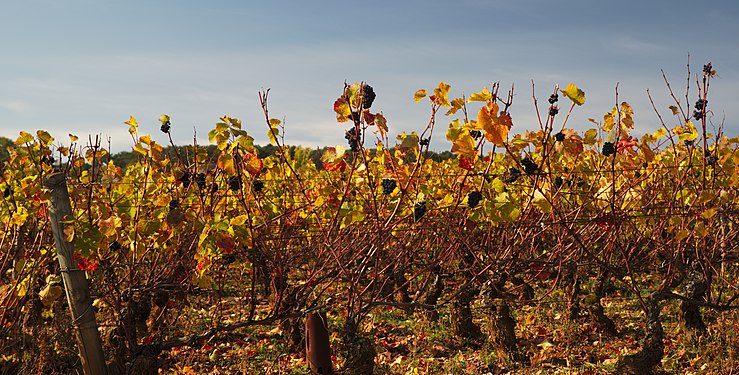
[
  {"x": 200, "y": 180},
  {"x": 114, "y": 246},
  {"x": 228, "y": 258},
  {"x": 708, "y": 69},
  {"x": 711, "y": 159},
  {"x": 388, "y": 185},
  {"x": 355, "y": 116},
  {"x": 608, "y": 149},
  {"x": 424, "y": 141},
  {"x": 560, "y": 137},
  {"x": 352, "y": 136},
  {"x": 368, "y": 96},
  {"x": 7, "y": 192},
  {"x": 688, "y": 143},
  {"x": 173, "y": 204},
  {"x": 47, "y": 159},
  {"x": 473, "y": 198},
  {"x": 166, "y": 126},
  {"x": 553, "y": 108},
  {"x": 234, "y": 183},
  {"x": 257, "y": 185},
  {"x": 419, "y": 210},
  {"x": 529, "y": 167},
  {"x": 513, "y": 175},
  {"x": 558, "y": 182},
  {"x": 476, "y": 134},
  {"x": 700, "y": 109},
  {"x": 185, "y": 179}
]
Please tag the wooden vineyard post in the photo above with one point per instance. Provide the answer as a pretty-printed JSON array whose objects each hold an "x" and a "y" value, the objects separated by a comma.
[
  {"x": 317, "y": 346},
  {"x": 75, "y": 283}
]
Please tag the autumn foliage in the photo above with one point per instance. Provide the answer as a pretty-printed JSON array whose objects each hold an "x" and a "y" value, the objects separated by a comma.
[{"x": 183, "y": 248}]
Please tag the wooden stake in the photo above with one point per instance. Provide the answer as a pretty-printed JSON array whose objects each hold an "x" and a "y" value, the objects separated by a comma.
[
  {"x": 317, "y": 346},
  {"x": 75, "y": 283}
]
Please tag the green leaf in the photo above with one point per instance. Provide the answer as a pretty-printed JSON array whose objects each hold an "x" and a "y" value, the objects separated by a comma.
[{"x": 574, "y": 93}]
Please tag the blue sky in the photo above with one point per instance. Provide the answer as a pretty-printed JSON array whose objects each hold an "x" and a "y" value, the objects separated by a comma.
[{"x": 85, "y": 66}]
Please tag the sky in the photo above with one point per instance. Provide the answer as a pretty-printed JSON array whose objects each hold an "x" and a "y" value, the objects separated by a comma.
[{"x": 85, "y": 66}]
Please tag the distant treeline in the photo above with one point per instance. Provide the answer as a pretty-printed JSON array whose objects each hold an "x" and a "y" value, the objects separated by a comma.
[{"x": 298, "y": 153}]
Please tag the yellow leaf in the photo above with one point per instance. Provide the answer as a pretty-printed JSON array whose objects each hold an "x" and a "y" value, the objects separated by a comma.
[
  {"x": 132, "y": 125},
  {"x": 420, "y": 94},
  {"x": 659, "y": 133},
  {"x": 709, "y": 213},
  {"x": 464, "y": 146},
  {"x": 239, "y": 220},
  {"x": 333, "y": 155},
  {"x": 627, "y": 116},
  {"x": 68, "y": 233},
  {"x": 482, "y": 96},
  {"x": 44, "y": 137},
  {"x": 164, "y": 119},
  {"x": 253, "y": 164},
  {"x": 675, "y": 110},
  {"x": 226, "y": 163},
  {"x": 108, "y": 226},
  {"x": 682, "y": 234},
  {"x": 272, "y": 134},
  {"x": 574, "y": 93},
  {"x": 49, "y": 294},
  {"x": 457, "y": 104},
  {"x": 701, "y": 229},
  {"x": 73, "y": 137},
  {"x": 590, "y": 137},
  {"x": 540, "y": 200},
  {"x": 381, "y": 123},
  {"x": 496, "y": 127},
  {"x": 24, "y": 138},
  {"x": 442, "y": 94},
  {"x": 19, "y": 216},
  {"x": 609, "y": 120},
  {"x": 24, "y": 286},
  {"x": 687, "y": 133},
  {"x": 342, "y": 109}
]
